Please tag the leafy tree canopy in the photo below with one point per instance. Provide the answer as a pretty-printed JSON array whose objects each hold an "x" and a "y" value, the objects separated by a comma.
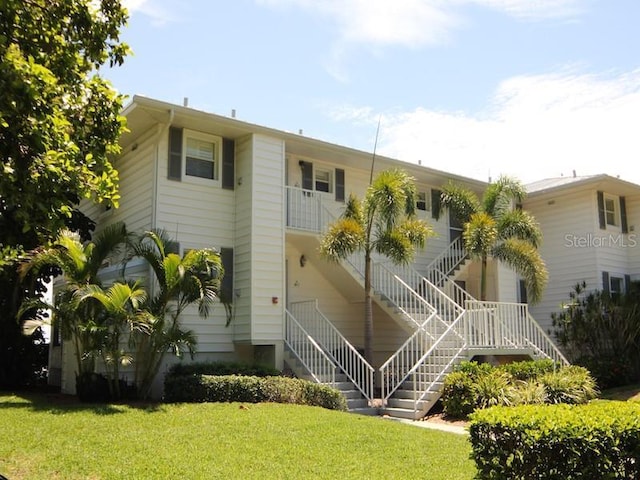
[{"x": 59, "y": 119}]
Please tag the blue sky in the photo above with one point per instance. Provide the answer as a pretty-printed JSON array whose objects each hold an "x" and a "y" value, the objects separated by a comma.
[{"x": 529, "y": 88}]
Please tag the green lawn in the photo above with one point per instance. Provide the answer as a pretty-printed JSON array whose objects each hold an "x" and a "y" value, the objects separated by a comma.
[{"x": 41, "y": 437}]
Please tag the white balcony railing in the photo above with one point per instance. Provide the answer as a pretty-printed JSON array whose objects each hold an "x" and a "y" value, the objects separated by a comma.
[{"x": 507, "y": 326}]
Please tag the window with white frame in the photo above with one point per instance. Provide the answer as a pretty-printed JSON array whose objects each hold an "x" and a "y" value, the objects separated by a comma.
[
  {"x": 201, "y": 155},
  {"x": 616, "y": 284},
  {"x": 611, "y": 211},
  {"x": 423, "y": 201},
  {"x": 323, "y": 181}
]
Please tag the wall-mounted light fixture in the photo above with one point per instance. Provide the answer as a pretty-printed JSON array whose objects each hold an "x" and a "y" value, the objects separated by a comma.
[{"x": 303, "y": 260}]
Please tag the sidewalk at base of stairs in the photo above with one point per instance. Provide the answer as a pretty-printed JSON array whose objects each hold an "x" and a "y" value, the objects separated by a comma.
[{"x": 433, "y": 425}]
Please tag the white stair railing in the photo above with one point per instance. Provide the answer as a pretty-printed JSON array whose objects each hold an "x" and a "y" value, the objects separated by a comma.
[
  {"x": 446, "y": 307},
  {"x": 308, "y": 352},
  {"x": 508, "y": 325},
  {"x": 427, "y": 376},
  {"x": 444, "y": 264},
  {"x": 339, "y": 349},
  {"x": 398, "y": 367}
]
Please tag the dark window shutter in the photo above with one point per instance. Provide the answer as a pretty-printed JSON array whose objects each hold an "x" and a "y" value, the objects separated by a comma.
[
  {"x": 175, "y": 153},
  {"x": 601, "y": 216},
  {"x": 339, "y": 185},
  {"x": 623, "y": 215},
  {"x": 522, "y": 286},
  {"x": 307, "y": 174},
  {"x": 605, "y": 281},
  {"x": 226, "y": 287},
  {"x": 228, "y": 163},
  {"x": 435, "y": 203},
  {"x": 627, "y": 283}
]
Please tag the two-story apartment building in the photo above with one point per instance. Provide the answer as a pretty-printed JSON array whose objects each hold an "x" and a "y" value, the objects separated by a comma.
[{"x": 263, "y": 197}]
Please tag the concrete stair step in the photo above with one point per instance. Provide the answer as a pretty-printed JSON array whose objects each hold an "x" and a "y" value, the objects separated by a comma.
[
  {"x": 401, "y": 413},
  {"x": 369, "y": 411},
  {"x": 357, "y": 403}
]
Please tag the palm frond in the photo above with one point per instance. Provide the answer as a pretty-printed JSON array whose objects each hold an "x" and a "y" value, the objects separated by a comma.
[
  {"x": 344, "y": 237},
  {"x": 525, "y": 259},
  {"x": 520, "y": 224},
  {"x": 391, "y": 196},
  {"x": 500, "y": 195},
  {"x": 480, "y": 234},
  {"x": 417, "y": 231},
  {"x": 460, "y": 201},
  {"x": 394, "y": 245},
  {"x": 354, "y": 209}
]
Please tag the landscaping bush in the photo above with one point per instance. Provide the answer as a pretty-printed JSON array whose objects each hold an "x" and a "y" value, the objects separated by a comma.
[
  {"x": 223, "y": 368},
  {"x": 473, "y": 386},
  {"x": 493, "y": 388},
  {"x": 250, "y": 389},
  {"x": 459, "y": 394},
  {"x": 572, "y": 384},
  {"x": 601, "y": 331},
  {"x": 600, "y": 440},
  {"x": 529, "y": 369}
]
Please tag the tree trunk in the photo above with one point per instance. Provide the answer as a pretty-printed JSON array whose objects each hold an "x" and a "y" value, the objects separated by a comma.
[
  {"x": 483, "y": 279},
  {"x": 368, "y": 310}
]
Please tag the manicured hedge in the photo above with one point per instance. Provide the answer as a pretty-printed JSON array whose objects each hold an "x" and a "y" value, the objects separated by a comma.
[
  {"x": 599, "y": 440},
  {"x": 251, "y": 389},
  {"x": 223, "y": 368}
]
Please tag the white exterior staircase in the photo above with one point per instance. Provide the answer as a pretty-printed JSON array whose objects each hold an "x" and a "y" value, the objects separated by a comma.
[{"x": 445, "y": 323}]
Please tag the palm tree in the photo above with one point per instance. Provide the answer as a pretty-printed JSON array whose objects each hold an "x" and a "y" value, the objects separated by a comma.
[
  {"x": 385, "y": 223},
  {"x": 494, "y": 227},
  {"x": 122, "y": 313},
  {"x": 179, "y": 282},
  {"x": 79, "y": 264}
]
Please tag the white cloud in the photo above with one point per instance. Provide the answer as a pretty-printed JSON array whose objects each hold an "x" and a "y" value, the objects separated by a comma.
[
  {"x": 534, "y": 9},
  {"x": 158, "y": 14},
  {"x": 413, "y": 23},
  {"x": 409, "y": 23},
  {"x": 536, "y": 126}
]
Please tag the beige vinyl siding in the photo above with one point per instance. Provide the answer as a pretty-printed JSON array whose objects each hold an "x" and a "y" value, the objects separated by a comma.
[
  {"x": 242, "y": 321},
  {"x": 565, "y": 220},
  {"x": 267, "y": 239},
  {"x": 260, "y": 240},
  {"x": 633, "y": 239}
]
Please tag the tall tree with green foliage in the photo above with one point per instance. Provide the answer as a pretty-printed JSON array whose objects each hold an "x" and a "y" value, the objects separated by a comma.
[
  {"x": 494, "y": 227},
  {"x": 383, "y": 222},
  {"x": 59, "y": 125}
]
